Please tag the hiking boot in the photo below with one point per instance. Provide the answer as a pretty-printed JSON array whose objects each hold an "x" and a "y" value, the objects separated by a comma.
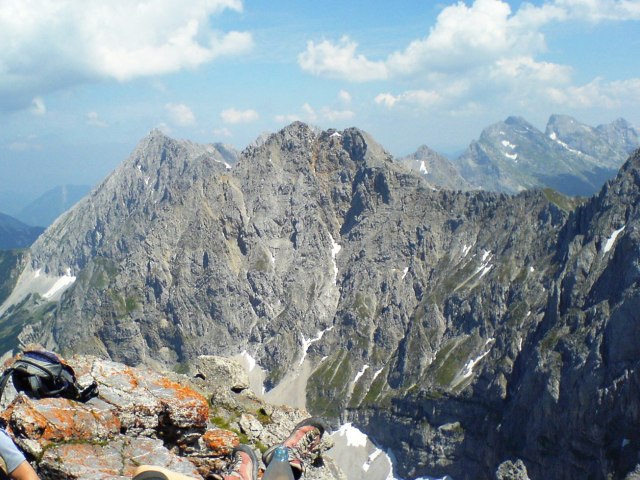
[
  {"x": 244, "y": 465},
  {"x": 303, "y": 445}
]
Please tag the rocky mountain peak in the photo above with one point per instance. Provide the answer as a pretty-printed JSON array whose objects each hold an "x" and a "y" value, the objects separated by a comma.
[
  {"x": 438, "y": 170},
  {"x": 621, "y": 135},
  {"x": 563, "y": 125},
  {"x": 627, "y": 181},
  {"x": 516, "y": 121},
  {"x": 299, "y": 139}
]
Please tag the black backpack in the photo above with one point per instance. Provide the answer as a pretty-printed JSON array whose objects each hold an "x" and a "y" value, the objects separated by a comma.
[{"x": 40, "y": 374}]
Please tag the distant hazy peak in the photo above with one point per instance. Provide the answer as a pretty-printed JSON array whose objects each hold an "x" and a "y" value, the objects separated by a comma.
[{"x": 516, "y": 120}]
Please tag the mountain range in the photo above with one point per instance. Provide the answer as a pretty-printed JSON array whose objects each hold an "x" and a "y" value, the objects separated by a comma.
[
  {"x": 15, "y": 234},
  {"x": 50, "y": 205},
  {"x": 511, "y": 156},
  {"x": 460, "y": 329}
]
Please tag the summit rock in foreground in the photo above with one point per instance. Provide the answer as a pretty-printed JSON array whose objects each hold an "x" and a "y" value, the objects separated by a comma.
[{"x": 143, "y": 417}]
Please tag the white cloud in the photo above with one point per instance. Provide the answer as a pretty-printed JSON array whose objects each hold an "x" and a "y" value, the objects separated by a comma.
[
  {"x": 38, "y": 107},
  {"x": 528, "y": 68},
  {"x": 233, "y": 116},
  {"x": 446, "y": 92},
  {"x": 340, "y": 61},
  {"x": 309, "y": 113},
  {"x": 180, "y": 114},
  {"x": 19, "y": 146},
  {"x": 332, "y": 115},
  {"x": 419, "y": 98},
  {"x": 286, "y": 118},
  {"x": 386, "y": 99},
  {"x": 58, "y": 44},
  {"x": 597, "y": 94},
  {"x": 600, "y": 10},
  {"x": 94, "y": 120},
  {"x": 344, "y": 96},
  {"x": 464, "y": 37},
  {"x": 312, "y": 115},
  {"x": 222, "y": 132},
  {"x": 29, "y": 143},
  {"x": 484, "y": 51}
]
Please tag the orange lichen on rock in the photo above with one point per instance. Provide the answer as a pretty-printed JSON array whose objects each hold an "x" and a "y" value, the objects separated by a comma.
[
  {"x": 220, "y": 442},
  {"x": 181, "y": 392},
  {"x": 50, "y": 420},
  {"x": 191, "y": 403},
  {"x": 131, "y": 376},
  {"x": 101, "y": 462}
]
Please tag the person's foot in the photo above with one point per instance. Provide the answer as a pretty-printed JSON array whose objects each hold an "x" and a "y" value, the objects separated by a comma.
[
  {"x": 244, "y": 466},
  {"x": 303, "y": 444}
]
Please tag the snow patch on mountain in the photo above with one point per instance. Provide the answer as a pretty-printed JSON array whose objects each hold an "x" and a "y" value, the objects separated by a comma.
[
  {"x": 467, "y": 370},
  {"x": 36, "y": 281},
  {"x": 335, "y": 249},
  {"x": 60, "y": 285},
  {"x": 612, "y": 239},
  {"x": 358, "y": 457},
  {"x": 553, "y": 136},
  {"x": 486, "y": 265},
  {"x": 306, "y": 343},
  {"x": 360, "y": 373}
]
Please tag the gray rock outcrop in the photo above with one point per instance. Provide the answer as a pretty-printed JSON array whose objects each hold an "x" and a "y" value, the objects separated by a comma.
[
  {"x": 143, "y": 417},
  {"x": 512, "y": 471}
]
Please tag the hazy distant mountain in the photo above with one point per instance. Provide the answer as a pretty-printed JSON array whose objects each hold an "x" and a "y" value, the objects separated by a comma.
[
  {"x": 611, "y": 144},
  {"x": 49, "y": 206},
  {"x": 15, "y": 234},
  {"x": 569, "y": 156},
  {"x": 436, "y": 169},
  {"x": 227, "y": 152}
]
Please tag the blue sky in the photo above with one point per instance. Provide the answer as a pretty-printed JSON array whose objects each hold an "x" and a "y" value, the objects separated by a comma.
[{"x": 82, "y": 81}]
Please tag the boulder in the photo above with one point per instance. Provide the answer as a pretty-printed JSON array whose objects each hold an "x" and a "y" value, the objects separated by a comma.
[
  {"x": 142, "y": 416},
  {"x": 512, "y": 471}
]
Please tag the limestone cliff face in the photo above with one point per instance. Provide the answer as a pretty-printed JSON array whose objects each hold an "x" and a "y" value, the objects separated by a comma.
[
  {"x": 558, "y": 384},
  {"x": 452, "y": 326}
]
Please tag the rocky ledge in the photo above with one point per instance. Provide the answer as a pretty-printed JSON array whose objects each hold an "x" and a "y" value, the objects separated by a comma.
[{"x": 187, "y": 423}]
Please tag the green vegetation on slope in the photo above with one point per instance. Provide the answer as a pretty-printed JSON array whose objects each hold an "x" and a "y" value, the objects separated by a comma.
[
  {"x": 329, "y": 383},
  {"x": 563, "y": 202},
  {"x": 31, "y": 309}
]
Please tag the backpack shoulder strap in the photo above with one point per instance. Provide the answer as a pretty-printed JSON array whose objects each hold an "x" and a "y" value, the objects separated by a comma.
[
  {"x": 4, "y": 379},
  {"x": 89, "y": 392}
]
